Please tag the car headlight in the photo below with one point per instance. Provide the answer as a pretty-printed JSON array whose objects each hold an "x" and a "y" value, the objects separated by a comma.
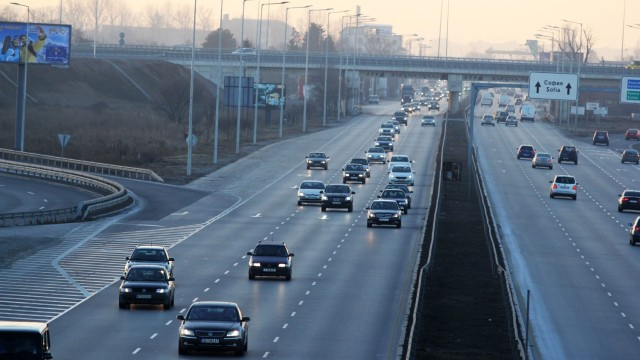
[
  {"x": 396, "y": 215},
  {"x": 256, "y": 264},
  {"x": 162, "y": 291},
  {"x": 371, "y": 215},
  {"x": 324, "y": 161},
  {"x": 309, "y": 161},
  {"x": 282, "y": 265},
  {"x": 348, "y": 198},
  {"x": 391, "y": 176},
  {"x": 125, "y": 290},
  {"x": 377, "y": 143},
  {"x": 360, "y": 175},
  {"x": 187, "y": 332},
  {"x": 324, "y": 197},
  {"x": 300, "y": 194},
  {"x": 233, "y": 333}
]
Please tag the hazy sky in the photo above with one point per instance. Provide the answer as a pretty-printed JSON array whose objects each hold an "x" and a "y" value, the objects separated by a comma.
[{"x": 469, "y": 21}]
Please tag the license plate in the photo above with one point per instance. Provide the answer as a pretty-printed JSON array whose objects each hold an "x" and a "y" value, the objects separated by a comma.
[
  {"x": 210, "y": 341},
  {"x": 336, "y": 202},
  {"x": 633, "y": 201},
  {"x": 269, "y": 270},
  {"x": 143, "y": 296},
  {"x": 384, "y": 219}
]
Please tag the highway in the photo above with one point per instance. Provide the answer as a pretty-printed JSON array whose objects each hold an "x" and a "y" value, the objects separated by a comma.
[
  {"x": 573, "y": 256},
  {"x": 350, "y": 290}
]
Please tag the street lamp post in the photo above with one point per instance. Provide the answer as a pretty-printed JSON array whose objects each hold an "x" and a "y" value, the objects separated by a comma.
[
  {"x": 255, "y": 112},
  {"x": 219, "y": 69},
  {"x": 326, "y": 65},
  {"x": 306, "y": 69},
  {"x": 22, "y": 72},
  {"x": 190, "y": 138},
  {"x": 579, "y": 68},
  {"x": 284, "y": 55},
  {"x": 240, "y": 77},
  {"x": 340, "y": 69},
  {"x": 355, "y": 53}
]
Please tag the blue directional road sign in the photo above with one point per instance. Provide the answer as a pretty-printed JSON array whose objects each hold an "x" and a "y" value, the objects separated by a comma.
[{"x": 630, "y": 90}]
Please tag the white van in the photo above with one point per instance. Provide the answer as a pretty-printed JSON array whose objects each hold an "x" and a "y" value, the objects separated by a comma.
[
  {"x": 504, "y": 100},
  {"x": 486, "y": 100},
  {"x": 527, "y": 112}
]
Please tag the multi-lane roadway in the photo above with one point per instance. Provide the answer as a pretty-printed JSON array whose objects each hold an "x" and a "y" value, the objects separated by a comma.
[{"x": 350, "y": 292}]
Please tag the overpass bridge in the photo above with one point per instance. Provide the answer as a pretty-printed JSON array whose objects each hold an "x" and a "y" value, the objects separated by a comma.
[{"x": 356, "y": 68}]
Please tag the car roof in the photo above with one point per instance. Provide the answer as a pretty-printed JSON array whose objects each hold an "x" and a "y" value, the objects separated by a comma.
[
  {"x": 23, "y": 326},
  {"x": 376, "y": 148},
  {"x": 207, "y": 303}
]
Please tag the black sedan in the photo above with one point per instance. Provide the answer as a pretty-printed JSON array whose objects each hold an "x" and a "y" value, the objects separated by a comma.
[
  {"x": 213, "y": 326},
  {"x": 398, "y": 196},
  {"x": 402, "y": 187},
  {"x": 629, "y": 200},
  {"x": 385, "y": 142},
  {"x": 146, "y": 284},
  {"x": 270, "y": 259},
  {"x": 384, "y": 212},
  {"x": 354, "y": 172}
]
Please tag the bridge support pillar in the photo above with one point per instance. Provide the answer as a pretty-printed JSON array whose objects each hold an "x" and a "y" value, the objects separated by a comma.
[{"x": 454, "y": 83}]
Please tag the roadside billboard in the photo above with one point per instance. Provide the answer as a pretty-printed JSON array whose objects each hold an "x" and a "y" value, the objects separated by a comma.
[
  {"x": 270, "y": 95},
  {"x": 47, "y": 44}
]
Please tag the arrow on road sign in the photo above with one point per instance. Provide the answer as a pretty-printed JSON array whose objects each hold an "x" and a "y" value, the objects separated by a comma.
[
  {"x": 538, "y": 87},
  {"x": 568, "y": 89}
]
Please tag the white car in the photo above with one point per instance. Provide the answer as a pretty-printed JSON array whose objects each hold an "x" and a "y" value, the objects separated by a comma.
[
  {"x": 376, "y": 154},
  {"x": 401, "y": 174},
  {"x": 387, "y": 129},
  {"x": 428, "y": 120},
  {"x": 563, "y": 185},
  {"x": 487, "y": 119},
  {"x": 310, "y": 191},
  {"x": 399, "y": 160},
  {"x": 245, "y": 51}
]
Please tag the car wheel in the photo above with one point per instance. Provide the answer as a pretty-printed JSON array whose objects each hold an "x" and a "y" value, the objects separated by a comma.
[
  {"x": 399, "y": 225},
  {"x": 518, "y": 157},
  {"x": 299, "y": 203},
  {"x": 308, "y": 167},
  {"x": 631, "y": 241},
  {"x": 167, "y": 305},
  {"x": 350, "y": 209},
  {"x": 364, "y": 181},
  {"x": 181, "y": 349},
  {"x": 620, "y": 209},
  {"x": 621, "y": 161},
  {"x": 550, "y": 167},
  {"x": 533, "y": 166},
  {"x": 575, "y": 162},
  {"x": 123, "y": 305},
  {"x": 344, "y": 181},
  {"x": 241, "y": 350},
  {"x": 369, "y": 224},
  {"x": 551, "y": 195},
  {"x": 405, "y": 211},
  {"x": 574, "y": 197},
  {"x": 384, "y": 161},
  {"x": 326, "y": 167},
  {"x": 323, "y": 208},
  {"x": 251, "y": 276}
]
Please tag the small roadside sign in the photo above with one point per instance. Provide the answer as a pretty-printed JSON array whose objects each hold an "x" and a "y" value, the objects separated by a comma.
[
  {"x": 592, "y": 105},
  {"x": 630, "y": 90},
  {"x": 553, "y": 86}
]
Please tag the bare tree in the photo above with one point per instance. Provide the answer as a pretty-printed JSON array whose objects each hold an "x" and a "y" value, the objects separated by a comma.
[
  {"x": 576, "y": 46},
  {"x": 117, "y": 13},
  {"x": 155, "y": 17},
  {"x": 183, "y": 17},
  {"x": 376, "y": 44},
  {"x": 9, "y": 13},
  {"x": 77, "y": 15},
  {"x": 205, "y": 18}
]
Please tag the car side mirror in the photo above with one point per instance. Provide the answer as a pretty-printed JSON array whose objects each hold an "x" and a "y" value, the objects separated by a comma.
[
  {"x": 127, "y": 258},
  {"x": 180, "y": 317},
  {"x": 353, "y": 193},
  {"x": 172, "y": 259},
  {"x": 550, "y": 181},
  {"x": 172, "y": 279},
  {"x": 368, "y": 208},
  {"x": 290, "y": 254},
  {"x": 121, "y": 277},
  {"x": 245, "y": 318},
  {"x": 321, "y": 191},
  {"x": 379, "y": 196},
  {"x": 250, "y": 253}
]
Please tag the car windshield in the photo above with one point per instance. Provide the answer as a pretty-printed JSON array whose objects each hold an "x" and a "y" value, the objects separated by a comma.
[
  {"x": 384, "y": 138},
  {"x": 269, "y": 250},
  {"x": 401, "y": 169},
  {"x": 312, "y": 185},
  {"x": 399, "y": 158},
  {"x": 317, "y": 155},
  {"x": 543, "y": 156},
  {"x": 384, "y": 205},
  {"x": 354, "y": 167},
  {"x": 144, "y": 274},
  {"x": 376, "y": 150},
  {"x": 631, "y": 193},
  {"x": 148, "y": 255},
  {"x": 359, "y": 161},
  {"x": 565, "y": 180},
  {"x": 213, "y": 314},
  {"x": 393, "y": 194},
  {"x": 386, "y": 126},
  {"x": 336, "y": 189},
  {"x": 399, "y": 113}
]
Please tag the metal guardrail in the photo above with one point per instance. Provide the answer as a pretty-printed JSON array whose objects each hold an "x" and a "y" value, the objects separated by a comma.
[
  {"x": 115, "y": 198},
  {"x": 80, "y": 165}
]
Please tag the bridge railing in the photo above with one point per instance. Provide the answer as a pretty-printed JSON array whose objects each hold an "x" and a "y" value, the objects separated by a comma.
[
  {"x": 113, "y": 196},
  {"x": 80, "y": 165}
]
